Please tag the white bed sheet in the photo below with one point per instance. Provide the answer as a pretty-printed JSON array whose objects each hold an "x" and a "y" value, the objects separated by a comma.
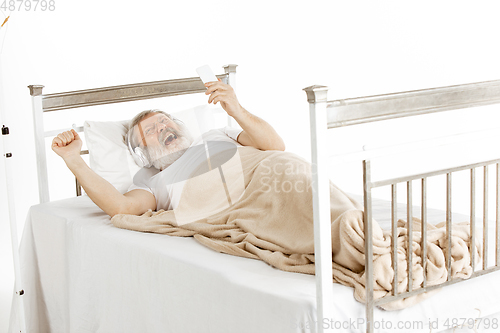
[{"x": 81, "y": 274}]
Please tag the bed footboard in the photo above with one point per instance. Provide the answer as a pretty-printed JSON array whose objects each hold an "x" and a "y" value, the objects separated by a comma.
[{"x": 326, "y": 115}]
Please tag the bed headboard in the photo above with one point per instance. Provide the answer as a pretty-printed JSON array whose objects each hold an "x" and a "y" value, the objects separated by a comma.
[{"x": 100, "y": 96}]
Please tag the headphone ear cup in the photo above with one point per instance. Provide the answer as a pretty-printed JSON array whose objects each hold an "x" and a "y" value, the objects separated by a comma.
[{"x": 141, "y": 158}]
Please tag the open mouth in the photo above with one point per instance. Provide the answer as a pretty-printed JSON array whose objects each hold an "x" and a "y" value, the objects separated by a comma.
[{"x": 170, "y": 137}]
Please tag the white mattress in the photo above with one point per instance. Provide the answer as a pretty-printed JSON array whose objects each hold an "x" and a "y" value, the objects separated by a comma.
[{"x": 81, "y": 274}]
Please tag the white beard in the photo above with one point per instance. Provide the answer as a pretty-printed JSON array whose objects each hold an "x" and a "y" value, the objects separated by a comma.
[{"x": 163, "y": 156}]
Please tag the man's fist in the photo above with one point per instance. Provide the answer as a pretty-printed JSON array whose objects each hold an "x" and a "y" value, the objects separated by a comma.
[
  {"x": 67, "y": 144},
  {"x": 224, "y": 94}
]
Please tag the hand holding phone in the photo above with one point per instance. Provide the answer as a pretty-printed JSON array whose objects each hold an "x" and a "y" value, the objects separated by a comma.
[{"x": 206, "y": 74}]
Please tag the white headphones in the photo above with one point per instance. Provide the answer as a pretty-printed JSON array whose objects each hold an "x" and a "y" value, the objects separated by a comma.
[{"x": 139, "y": 156}]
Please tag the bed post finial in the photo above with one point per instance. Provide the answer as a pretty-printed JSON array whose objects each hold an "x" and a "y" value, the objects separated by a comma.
[
  {"x": 35, "y": 90},
  {"x": 41, "y": 158},
  {"x": 231, "y": 68},
  {"x": 230, "y": 71},
  {"x": 316, "y": 94}
]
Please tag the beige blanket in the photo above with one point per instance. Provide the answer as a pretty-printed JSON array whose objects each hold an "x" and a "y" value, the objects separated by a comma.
[{"x": 259, "y": 205}]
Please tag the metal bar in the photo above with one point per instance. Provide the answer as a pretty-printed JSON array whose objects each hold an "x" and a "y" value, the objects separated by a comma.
[
  {"x": 390, "y": 298},
  {"x": 123, "y": 93},
  {"x": 41, "y": 157},
  {"x": 230, "y": 71},
  {"x": 485, "y": 217},
  {"x": 409, "y": 245},
  {"x": 473, "y": 218},
  {"x": 431, "y": 174},
  {"x": 497, "y": 246},
  {"x": 321, "y": 205},
  {"x": 368, "y": 230},
  {"x": 394, "y": 239},
  {"x": 448, "y": 224},
  {"x": 382, "y": 107},
  {"x": 52, "y": 133},
  {"x": 78, "y": 188},
  {"x": 424, "y": 230}
]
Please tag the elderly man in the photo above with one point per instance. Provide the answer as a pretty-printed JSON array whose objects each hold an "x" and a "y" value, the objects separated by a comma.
[{"x": 157, "y": 141}]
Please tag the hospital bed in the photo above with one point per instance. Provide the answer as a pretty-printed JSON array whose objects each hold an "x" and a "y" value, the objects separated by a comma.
[{"x": 82, "y": 274}]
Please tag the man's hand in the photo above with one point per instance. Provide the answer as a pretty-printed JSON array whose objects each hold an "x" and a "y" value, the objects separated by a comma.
[
  {"x": 224, "y": 94},
  {"x": 256, "y": 132},
  {"x": 67, "y": 144}
]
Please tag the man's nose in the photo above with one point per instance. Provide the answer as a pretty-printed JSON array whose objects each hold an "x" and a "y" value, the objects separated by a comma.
[{"x": 160, "y": 127}]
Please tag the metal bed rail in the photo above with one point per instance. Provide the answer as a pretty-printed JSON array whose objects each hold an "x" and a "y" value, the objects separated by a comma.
[
  {"x": 369, "y": 185},
  {"x": 92, "y": 97},
  {"x": 325, "y": 115},
  {"x": 362, "y": 110}
]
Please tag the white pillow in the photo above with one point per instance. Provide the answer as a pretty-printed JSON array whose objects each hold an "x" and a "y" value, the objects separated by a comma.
[
  {"x": 108, "y": 153},
  {"x": 109, "y": 156}
]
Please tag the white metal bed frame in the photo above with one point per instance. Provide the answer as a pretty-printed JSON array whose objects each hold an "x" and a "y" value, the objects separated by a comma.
[{"x": 326, "y": 115}]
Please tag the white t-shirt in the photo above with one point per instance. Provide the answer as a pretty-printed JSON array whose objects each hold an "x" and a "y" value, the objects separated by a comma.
[{"x": 167, "y": 185}]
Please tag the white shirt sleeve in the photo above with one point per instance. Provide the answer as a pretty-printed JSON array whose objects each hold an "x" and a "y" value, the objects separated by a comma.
[
  {"x": 140, "y": 180},
  {"x": 232, "y": 132},
  {"x": 135, "y": 187}
]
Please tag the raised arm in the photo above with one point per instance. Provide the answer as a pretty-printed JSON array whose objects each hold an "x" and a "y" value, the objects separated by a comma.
[
  {"x": 68, "y": 145},
  {"x": 256, "y": 131}
]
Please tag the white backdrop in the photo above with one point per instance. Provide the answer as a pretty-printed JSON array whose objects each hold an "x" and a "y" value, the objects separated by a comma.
[{"x": 356, "y": 48}]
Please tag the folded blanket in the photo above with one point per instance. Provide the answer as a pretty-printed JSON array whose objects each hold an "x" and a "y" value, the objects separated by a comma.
[{"x": 259, "y": 205}]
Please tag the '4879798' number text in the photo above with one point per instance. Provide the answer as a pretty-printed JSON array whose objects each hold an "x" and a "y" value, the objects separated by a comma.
[{"x": 28, "y": 5}]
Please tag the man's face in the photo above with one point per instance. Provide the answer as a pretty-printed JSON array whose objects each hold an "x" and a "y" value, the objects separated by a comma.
[
  {"x": 157, "y": 130},
  {"x": 162, "y": 138}
]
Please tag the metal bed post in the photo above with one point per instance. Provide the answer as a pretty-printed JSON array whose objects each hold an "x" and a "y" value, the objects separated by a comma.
[
  {"x": 497, "y": 242},
  {"x": 41, "y": 158},
  {"x": 317, "y": 98},
  {"x": 473, "y": 219},
  {"x": 448, "y": 224},
  {"x": 485, "y": 217},
  {"x": 368, "y": 230},
  {"x": 230, "y": 70}
]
